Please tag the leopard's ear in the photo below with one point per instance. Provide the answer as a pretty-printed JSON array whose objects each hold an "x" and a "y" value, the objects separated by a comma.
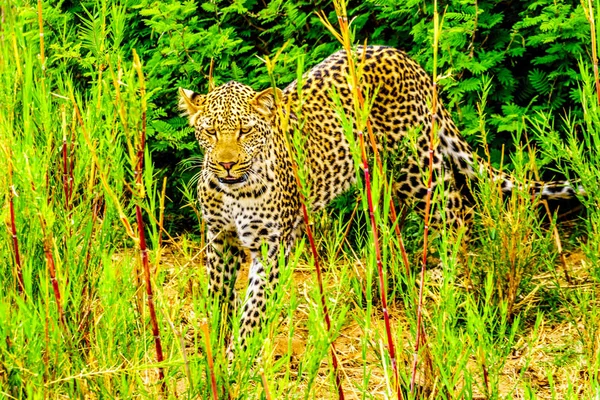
[
  {"x": 265, "y": 101},
  {"x": 190, "y": 101}
]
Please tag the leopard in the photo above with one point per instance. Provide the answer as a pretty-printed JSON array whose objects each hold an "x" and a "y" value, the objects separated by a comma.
[{"x": 247, "y": 188}]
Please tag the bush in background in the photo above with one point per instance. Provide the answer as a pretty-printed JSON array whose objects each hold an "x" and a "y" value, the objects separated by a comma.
[{"x": 530, "y": 49}]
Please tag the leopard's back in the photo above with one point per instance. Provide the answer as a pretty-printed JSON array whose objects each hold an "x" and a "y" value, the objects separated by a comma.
[{"x": 403, "y": 92}]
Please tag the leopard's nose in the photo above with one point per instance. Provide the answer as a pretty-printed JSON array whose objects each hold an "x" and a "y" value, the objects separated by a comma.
[{"x": 227, "y": 165}]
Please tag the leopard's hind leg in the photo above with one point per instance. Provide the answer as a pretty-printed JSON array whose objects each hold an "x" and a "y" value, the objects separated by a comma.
[{"x": 456, "y": 215}]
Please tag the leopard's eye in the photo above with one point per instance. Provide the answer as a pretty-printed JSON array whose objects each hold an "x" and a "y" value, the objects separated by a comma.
[
  {"x": 245, "y": 129},
  {"x": 211, "y": 131}
]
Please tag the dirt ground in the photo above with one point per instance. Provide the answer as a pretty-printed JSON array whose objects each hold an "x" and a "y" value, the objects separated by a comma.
[{"x": 551, "y": 356}]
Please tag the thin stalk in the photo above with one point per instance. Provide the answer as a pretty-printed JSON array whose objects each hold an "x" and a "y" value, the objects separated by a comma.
[
  {"x": 265, "y": 385},
  {"x": 41, "y": 27},
  {"x": 359, "y": 106},
  {"x": 186, "y": 363},
  {"x": 209, "y": 357},
  {"x": 420, "y": 329},
  {"x": 211, "y": 81},
  {"x": 347, "y": 231},
  {"x": 382, "y": 286},
  {"x": 13, "y": 225},
  {"x": 67, "y": 164},
  {"x": 344, "y": 38},
  {"x": 65, "y": 171},
  {"x": 46, "y": 355},
  {"x": 284, "y": 116},
  {"x": 47, "y": 244},
  {"x": 161, "y": 217},
  {"x": 103, "y": 179},
  {"x": 558, "y": 243},
  {"x": 589, "y": 13},
  {"x": 313, "y": 249},
  {"x": 140, "y": 223},
  {"x": 15, "y": 238},
  {"x": 121, "y": 106},
  {"x": 555, "y": 233},
  {"x": 47, "y": 240},
  {"x": 486, "y": 379},
  {"x": 66, "y": 181},
  {"x": 52, "y": 270},
  {"x": 149, "y": 293}
]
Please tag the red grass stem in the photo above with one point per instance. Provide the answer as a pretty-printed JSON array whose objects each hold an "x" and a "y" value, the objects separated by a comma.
[
  {"x": 420, "y": 330},
  {"x": 15, "y": 238},
  {"x": 51, "y": 265},
  {"x": 49, "y": 259},
  {"x": 67, "y": 174},
  {"x": 374, "y": 230},
  {"x": 382, "y": 285},
  {"x": 359, "y": 105},
  {"x": 149, "y": 293},
  {"x": 140, "y": 223},
  {"x": 334, "y": 361},
  {"x": 53, "y": 280},
  {"x": 315, "y": 254},
  {"x": 486, "y": 379}
]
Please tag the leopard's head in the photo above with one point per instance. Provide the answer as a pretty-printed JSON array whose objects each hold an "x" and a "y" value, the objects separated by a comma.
[{"x": 232, "y": 123}]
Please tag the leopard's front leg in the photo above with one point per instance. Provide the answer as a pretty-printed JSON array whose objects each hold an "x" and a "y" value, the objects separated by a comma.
[
  {"x": 262, "y": 278},
  {"x": 255, "y": 303},
  {"x": 224, "y": 256}
]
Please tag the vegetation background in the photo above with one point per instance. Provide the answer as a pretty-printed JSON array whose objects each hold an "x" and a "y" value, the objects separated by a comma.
[
  {"x": 78, "y": 113},
  {"x": 530, "y": 51}
]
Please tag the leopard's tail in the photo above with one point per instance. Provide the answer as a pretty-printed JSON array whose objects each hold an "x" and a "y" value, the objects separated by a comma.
[
  {"x": 552, "y": 190},
  {"x": 458, "y": 152},
  {"x": 460, "y": 155},
  {"x": 564, "y": 189}
]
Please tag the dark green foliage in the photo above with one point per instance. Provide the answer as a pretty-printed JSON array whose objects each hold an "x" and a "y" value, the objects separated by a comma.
[{"x": 529, "y": 49}]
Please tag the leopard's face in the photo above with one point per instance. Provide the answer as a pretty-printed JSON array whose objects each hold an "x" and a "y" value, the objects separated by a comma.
[{"x": 232, "y": 124}]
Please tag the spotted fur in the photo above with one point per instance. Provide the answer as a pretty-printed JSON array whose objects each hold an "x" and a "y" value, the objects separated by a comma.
[{"x": 247, "y": 190}]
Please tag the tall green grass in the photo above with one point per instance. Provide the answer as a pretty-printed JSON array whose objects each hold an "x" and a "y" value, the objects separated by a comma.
[
  {"x": 75, "y": 321},
  {"x": 73, "y": 179}
]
